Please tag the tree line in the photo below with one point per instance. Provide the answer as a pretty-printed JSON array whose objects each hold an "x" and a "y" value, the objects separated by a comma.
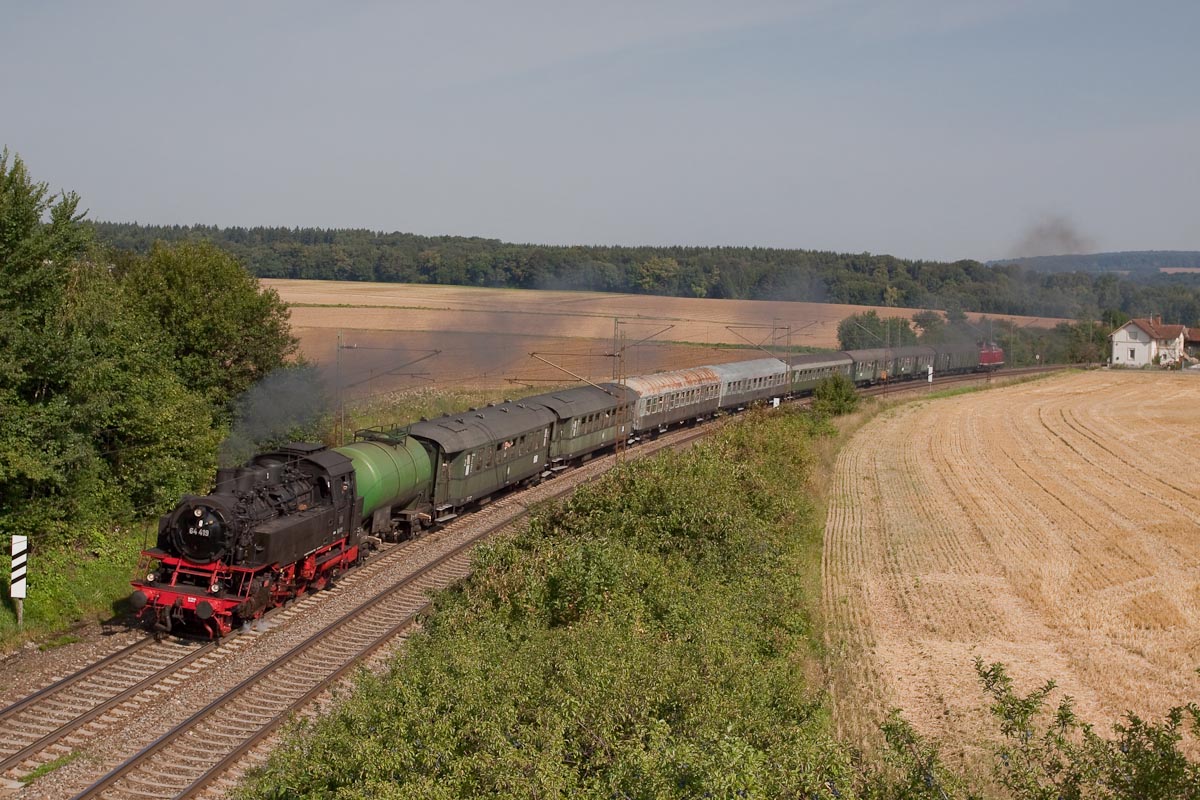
[
  {"x": 1079, "y": 342},
  {"x": 714, "y": 272},
  {"x": 119, "y": 372}
]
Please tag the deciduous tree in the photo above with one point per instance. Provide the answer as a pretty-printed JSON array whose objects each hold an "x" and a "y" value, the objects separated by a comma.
[{"x": 225, "y": 331}]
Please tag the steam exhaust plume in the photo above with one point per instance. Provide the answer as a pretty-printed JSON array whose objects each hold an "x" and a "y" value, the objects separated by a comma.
[
  {"x": 287, "y": 400},
  {"x": 1053, "y": 236}
]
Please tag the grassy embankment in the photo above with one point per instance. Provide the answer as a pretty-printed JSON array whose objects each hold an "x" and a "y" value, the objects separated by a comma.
[
  {"x": 69, "y": 587},
  {"x": 655, "y": 635}
]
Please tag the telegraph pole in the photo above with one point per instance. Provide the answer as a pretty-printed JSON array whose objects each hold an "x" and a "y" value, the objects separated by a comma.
[{"x": 624, "y": 418}]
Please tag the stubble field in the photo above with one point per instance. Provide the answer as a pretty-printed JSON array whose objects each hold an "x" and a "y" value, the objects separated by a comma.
[
  {"x": 1053, "y": 526},
  {"x": 483, "y": 337}
]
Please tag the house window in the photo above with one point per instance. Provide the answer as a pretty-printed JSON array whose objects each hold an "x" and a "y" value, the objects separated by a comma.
[{"x": 1132, "y": 354}]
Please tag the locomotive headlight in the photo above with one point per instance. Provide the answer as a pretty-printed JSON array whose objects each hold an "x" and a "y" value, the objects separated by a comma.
[
  {"x": 151, "y": 577},
  {"x": 216, "y": 587},
  {"x": 199, "y": 512}
]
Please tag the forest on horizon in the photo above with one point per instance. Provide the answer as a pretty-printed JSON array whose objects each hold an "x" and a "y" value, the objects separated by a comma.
[{"x": 713, "y": 272}]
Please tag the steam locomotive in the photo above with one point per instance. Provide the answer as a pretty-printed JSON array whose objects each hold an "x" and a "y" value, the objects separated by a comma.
[{"x": 292, "y": 520}]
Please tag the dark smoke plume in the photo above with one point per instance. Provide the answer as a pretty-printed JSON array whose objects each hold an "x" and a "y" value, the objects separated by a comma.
[
  {"x": 285, "y": 405},
  {"x": 1053, "y": 236}
]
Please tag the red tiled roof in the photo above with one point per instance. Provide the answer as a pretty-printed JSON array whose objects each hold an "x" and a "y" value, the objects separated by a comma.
[{"x": 1162, "y": 332}]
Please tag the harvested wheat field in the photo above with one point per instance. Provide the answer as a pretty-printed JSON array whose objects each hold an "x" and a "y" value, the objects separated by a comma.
[
  {"x": 1052, "y": 525},
  {"x": 485, "y": 335}
]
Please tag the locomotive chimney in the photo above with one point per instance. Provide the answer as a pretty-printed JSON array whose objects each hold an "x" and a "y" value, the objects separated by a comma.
[{"x": 225, "y": 480}]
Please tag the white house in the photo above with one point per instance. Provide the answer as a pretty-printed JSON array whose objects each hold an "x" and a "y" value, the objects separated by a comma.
[{"x": 1140, "y": 341}]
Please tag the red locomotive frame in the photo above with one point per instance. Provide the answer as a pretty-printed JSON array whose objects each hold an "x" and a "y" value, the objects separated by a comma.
[{"x": 243, "y": 594}]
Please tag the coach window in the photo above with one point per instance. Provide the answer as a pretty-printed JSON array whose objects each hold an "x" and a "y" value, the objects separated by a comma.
[{"x": 467, "y": 464}]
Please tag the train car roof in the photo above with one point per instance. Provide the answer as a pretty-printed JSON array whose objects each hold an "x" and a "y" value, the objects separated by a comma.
[
  {"x": 570, "y": 403},
  {"x": 814, "y": 360},
  {"x": 913, "y": 350},
  {"x": 675, "y": 381},
  {"x": 962, "y": 347},
  {"x": 471, "y": 429},
  {"x": 890, "y": 352},
  {"x": 741, "y": 370}
]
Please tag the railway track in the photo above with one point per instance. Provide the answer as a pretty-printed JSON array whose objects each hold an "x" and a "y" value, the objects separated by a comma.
[
  {"x": 33, "y": 725},
  {"x": 187, "y": 758},
  {"x": 195, "y": 753},
  {"x": 109, "y": 692}
]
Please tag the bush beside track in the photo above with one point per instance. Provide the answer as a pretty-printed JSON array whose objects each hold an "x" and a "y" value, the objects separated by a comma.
[{"x": 649, "y": 637}]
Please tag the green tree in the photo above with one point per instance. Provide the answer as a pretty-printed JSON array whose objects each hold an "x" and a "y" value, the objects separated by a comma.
[
  {"x": 868, "y": 331},
  {"x": 835, "y": 395},
  {"x": 224, "y": 330},
  {"x": 93, "y": 422},
  {"x": 40, "y": 237},
  {"x": 1087, "y": 341},
  {"x": 658, "y": 275},
  {"x": 932, "y": 325}
]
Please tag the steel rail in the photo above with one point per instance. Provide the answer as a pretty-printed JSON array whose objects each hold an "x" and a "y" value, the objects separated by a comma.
[
  {"x": 73, "y": 678},
  {"x": 358, "y": 614},
  {"x": 74, "y": 724}
]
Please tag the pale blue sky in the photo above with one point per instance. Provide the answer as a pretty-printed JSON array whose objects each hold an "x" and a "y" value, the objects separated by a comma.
[{"x": 932, "y": 128}]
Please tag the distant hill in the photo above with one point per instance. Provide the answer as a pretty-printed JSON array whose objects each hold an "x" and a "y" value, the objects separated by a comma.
[{"x": 1131, "y": 261}]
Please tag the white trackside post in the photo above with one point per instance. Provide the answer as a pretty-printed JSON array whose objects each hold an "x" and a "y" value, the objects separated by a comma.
[{"x": 20, "y": 558}]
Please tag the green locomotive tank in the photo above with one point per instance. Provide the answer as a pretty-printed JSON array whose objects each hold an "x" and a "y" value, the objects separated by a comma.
[{"x": 394, "y": 479}]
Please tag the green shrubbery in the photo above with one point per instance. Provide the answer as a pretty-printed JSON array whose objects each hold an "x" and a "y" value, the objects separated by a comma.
[
  {"x": 649, "y": 637},
  {"x": 835, "y": 395}
]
